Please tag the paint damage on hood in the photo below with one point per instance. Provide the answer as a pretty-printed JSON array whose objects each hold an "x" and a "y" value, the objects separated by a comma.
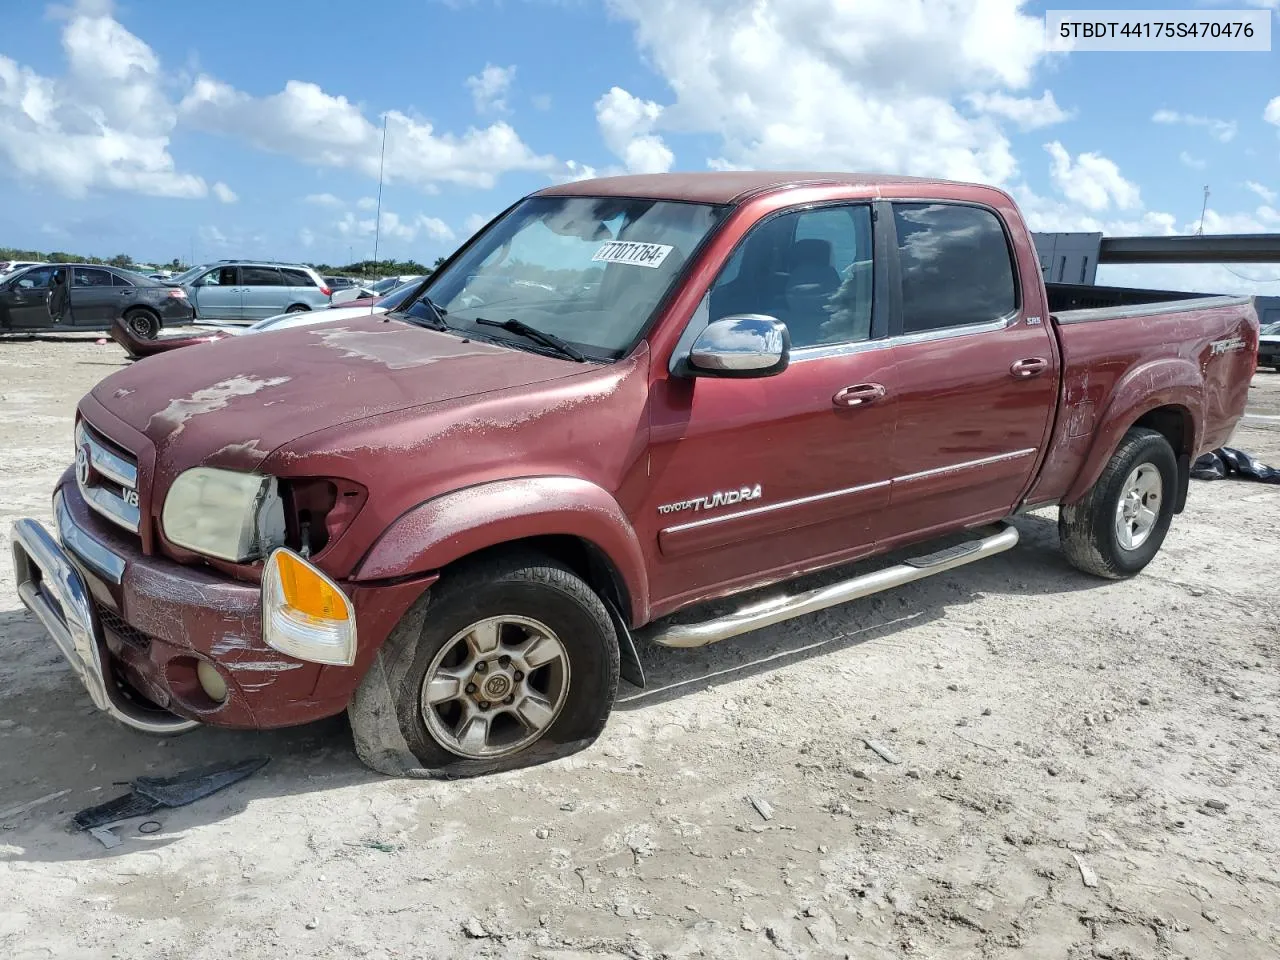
[{"x": 232, "y": 402}]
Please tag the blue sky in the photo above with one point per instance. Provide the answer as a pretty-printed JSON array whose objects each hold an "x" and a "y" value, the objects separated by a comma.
[{"x": 156, "y": 128}]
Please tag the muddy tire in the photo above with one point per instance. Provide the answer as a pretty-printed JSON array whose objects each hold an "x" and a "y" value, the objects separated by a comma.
[
  {"x": 1118, "y": 526},
  {"x": 505, "y": 664},
  {"x": 142, "y": 323}
]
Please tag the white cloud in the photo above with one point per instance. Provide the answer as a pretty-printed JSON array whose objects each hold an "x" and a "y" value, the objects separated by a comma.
[
  {"x": 626, "y": 123},
  {"x": 1222, "y": 130},
  {"x": 395, "y": 227},
  {"x": 224, "y": 193},
  {"x": 1091, "y": 180},
  {"x": 489, "y": 88},
  {"x": 827, "y": 84},
  {"x": 1268, "y": 196},
  {"x": 104, "y": 124},
  {"x": 1272, "y": 113},
  {"x": 1025, "y": 112},
  {"x": 305, "y": 122},
  {"x": 475, "y": 222},
  {"x": 367, "y": 203},
  {"x": 541, "y": 101},
  {"x": 573, "y": 170},
  {"x": 322, "y": 200},
  {"x": 1192, "y": 162}
]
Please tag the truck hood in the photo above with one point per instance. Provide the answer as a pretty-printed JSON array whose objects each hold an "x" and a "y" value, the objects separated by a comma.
[{"x": 234, "y": 401}]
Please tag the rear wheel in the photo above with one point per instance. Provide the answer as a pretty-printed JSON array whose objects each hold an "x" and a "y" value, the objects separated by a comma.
[
  {"x": 298, "y": 308},
  {"x": 509, "y": 663},
  {"x": 142, "y": 323},
  {"x": 1118, "y": 526}
]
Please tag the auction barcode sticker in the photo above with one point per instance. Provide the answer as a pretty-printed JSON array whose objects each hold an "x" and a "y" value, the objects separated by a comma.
[
  {"x": 639, "y": 254},
  {"x": 1168, "y": 30}
]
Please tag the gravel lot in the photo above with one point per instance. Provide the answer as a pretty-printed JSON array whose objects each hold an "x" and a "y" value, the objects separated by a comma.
[{"x": 1087, "y": 769}]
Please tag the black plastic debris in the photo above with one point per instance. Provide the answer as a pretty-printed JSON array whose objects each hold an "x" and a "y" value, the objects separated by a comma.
[
  {"x": 1227, "y": 463},
  {"x": 152, "y": 793}
]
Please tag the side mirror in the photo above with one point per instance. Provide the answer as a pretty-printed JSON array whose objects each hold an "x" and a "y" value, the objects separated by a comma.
[{"x": 743, "y": 345}]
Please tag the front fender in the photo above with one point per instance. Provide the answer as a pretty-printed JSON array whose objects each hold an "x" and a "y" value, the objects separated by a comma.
[
  {"x": 454, "y": 525},
  {"x": 1171, "y": 382}
]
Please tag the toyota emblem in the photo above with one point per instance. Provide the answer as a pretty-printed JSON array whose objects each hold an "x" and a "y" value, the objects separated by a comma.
[{"x": 82, "y": 466}]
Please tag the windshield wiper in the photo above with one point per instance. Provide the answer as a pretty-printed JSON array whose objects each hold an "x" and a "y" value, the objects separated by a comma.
[
  {"x": 533, "y": 333},
  {"x": 431, "y": 323}
]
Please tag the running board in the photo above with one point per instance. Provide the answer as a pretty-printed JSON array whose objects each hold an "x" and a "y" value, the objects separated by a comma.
[{"x": 779, "y": 609}]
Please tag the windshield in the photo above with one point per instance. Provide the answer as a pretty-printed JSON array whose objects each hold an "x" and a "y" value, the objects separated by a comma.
[
  {"x": 387, "y": 284},
  {"x": 189, "y": 275},
  {"x": 1271, "y": 329},
  {"x": 586, "y": 269}
]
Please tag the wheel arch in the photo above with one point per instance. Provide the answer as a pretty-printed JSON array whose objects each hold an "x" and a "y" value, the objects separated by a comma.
[
  {"x": 1165, "y": 396},
  {"x": 571, "y": 520}
]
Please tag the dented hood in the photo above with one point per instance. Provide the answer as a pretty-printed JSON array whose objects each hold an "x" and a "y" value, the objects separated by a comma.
[{"x": 234, "y": 401}]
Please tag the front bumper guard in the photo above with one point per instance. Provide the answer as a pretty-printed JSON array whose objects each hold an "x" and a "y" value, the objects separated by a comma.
[{"x": 52, "y": 588}]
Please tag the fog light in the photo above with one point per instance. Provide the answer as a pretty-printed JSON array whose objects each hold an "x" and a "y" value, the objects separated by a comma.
[
  {"x": 211, "y": 681},
  {"x": 304, "y": 613}
]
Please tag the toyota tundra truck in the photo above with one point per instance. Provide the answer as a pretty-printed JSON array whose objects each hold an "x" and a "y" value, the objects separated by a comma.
[{"x": 621, "y": 399}]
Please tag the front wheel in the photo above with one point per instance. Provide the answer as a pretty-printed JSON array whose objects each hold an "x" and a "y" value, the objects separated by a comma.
[
  {"x": 509, "y": 663},
  {"x": 1118, "y": 526}
]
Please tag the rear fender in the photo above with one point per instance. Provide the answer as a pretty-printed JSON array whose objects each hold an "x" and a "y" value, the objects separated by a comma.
[
  {"x": 1171, "y": 382},
  {"x": 449, "y": 527}
]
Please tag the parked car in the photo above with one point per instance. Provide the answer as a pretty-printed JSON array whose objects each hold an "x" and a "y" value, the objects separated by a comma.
[
  {"x": 211, "y": 332},
  {"x": 448, "y": 519},
  {"x": 339, "y": 283},
  {"x": 247, "y": 290},
  {"x": 98, "y": 295},
  {"x": 378, "y": 289},
  {"x": 12, "y": 266},
  {"x": 1269, "y": 339}
]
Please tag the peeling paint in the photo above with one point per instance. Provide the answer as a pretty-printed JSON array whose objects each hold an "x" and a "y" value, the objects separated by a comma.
[
  {"x": 266, "y": 666},
  {"x": 209, "y": 399},
  {"x": 393, "y": 350},
  {"x": 227, "y": 644}
]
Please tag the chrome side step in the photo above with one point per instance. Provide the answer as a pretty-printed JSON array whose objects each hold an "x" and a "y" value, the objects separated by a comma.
[{"x": 778, "y": 609}]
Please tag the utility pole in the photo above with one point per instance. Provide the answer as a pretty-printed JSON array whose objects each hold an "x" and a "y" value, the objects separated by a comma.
[
  {"x": 1204, "y": 207},
  {"x": 377, "y": 223}
]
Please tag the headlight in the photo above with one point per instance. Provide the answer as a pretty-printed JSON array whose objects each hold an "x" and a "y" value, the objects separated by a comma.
[
  {"x": 304, "y": 613},
  {"x": 224, "y": 514}
]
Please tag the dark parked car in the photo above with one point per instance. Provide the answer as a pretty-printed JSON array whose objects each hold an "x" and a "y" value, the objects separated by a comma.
[{"x": 98, "y": 296}]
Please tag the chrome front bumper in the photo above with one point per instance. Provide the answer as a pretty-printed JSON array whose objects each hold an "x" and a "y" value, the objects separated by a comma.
[{"x": 51, "y": 587}]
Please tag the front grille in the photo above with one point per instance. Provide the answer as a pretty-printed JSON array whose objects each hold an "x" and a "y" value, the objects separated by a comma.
[
  {"x": 113, "y": 622},
  {"x": 107, "y": 478}
]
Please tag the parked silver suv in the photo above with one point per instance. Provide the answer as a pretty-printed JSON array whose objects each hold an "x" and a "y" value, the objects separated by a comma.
[{"x": 249, "y": 290}]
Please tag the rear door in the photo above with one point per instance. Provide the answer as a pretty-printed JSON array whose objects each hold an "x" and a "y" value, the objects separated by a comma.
[
  {"x": 217, "y": 294},
  {"x": 93, "y": 301},
  {"x": 976, "y": 373},
  {"x": 301, "y": 288},
  {"x": 265, "y": 293},
  {"x": 24, "y": 300}
]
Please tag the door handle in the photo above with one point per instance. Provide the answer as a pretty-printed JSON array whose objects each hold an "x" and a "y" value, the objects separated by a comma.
[
  {"x": 858, "y": 395},
  {"x": 1030, "y": 367}
]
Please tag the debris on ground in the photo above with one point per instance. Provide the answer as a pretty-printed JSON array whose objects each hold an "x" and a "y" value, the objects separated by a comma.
[
  {"x": 151, "y": 793},
  {"x": 1228, "y": 463},
  {"x": 762, "y": 807},
  {"x": 885, "y": 754},
  {"x": 104, "y": 836},
  {"x": 1087, "y": 876}
]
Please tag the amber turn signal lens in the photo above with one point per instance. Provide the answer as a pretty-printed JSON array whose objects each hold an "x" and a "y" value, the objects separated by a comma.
[{"x": 306, "y": 591}]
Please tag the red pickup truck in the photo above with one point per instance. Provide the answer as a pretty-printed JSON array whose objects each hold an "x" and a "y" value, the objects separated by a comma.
[{"x": 621, "y": 398}]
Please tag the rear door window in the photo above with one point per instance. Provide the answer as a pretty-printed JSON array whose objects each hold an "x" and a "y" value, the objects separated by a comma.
[
  {"x": 89, "y": 277},
  {"x": 260, "y": 277},
  {"x": 296, "y": 278},
  {"x": 118, "y": 281},
  {"x": 956, "y": 264}
]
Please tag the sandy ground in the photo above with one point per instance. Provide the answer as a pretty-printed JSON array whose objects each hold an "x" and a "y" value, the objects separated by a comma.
[{"x": 1087, "y": 769}]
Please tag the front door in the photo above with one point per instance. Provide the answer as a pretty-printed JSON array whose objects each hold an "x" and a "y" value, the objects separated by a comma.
[
  {"x": 24, "y": 300},
  {"x": 753, "y": 480},
  {"x": 217, "y": 294},
  {"x": 976, "y": 372},
  {"x": 93, "y": 301}
]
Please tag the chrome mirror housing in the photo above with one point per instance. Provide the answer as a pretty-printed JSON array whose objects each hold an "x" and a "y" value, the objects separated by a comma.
[{"x": 742, "y": 345}]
